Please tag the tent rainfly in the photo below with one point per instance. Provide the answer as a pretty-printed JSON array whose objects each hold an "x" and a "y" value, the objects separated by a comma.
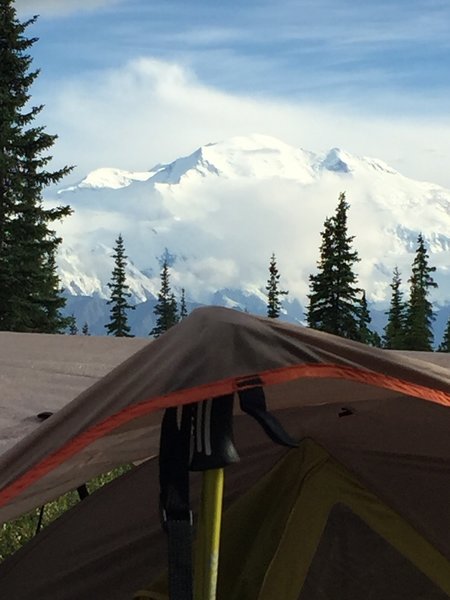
[{"x": 359, "y": 509}]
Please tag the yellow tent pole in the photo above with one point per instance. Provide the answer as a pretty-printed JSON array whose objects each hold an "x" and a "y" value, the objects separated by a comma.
[{"x": 208, "y": 536}]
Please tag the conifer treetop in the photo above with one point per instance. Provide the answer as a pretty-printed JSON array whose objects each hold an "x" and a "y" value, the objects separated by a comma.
[
  {"x": 334, "y": 299},
  {"x": 419, "y": 314},
  {"x": 395, "y": 329},
  {"x": 73, "y": 329},
  {"x": 166, "y": 306},
  {"x": 274, "y": 292},
  {"x": 118, "y": 325}
]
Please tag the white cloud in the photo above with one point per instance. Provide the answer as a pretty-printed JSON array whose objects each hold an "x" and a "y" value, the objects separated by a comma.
[{"x": 151, "y": 111}]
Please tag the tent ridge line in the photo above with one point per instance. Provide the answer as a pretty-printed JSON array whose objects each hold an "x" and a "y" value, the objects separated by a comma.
[{"x": 204, "y": 391}]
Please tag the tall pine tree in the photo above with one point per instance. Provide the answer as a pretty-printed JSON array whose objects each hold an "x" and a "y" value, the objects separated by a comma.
[
  {"x": 334, "y": 299},
  {"x": 274, "y": 292},
  {"x": 118, "y": 325},
  {"x": 419, "y": 314},
  {"x": 166, "y": 307},
  {"x": 30, "y": 294},
  {"x": 395, "y": 329}
]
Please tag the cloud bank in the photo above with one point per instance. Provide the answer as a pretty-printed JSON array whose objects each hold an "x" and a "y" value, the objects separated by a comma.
[{"x": 150, "y": 111}]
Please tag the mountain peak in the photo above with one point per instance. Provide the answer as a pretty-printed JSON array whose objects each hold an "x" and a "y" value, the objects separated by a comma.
[{"x": 256, "y": 156}]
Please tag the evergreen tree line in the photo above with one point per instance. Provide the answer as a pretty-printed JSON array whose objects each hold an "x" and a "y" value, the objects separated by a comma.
[
  {"x": 337, "y": 305},
  {"x": 167, "y": 310}
]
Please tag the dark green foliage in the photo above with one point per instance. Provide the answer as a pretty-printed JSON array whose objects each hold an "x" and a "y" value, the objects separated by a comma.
[
  {"x": 364, "y": 320},
  {"x": 85, "y": 329},
  {"x": 118, "y": 325},
  {"x": 183, "y": 308},
  {"x": 73, "y": 329},
  {"x": 334, "y": 303},
  {"x": 376, "y": 341},
  {"x": 394, "y": 332},
  {"x": 30, "y": 294},
  {"x": 273, "y": 290},
  {"x": 366, "y": 335},
  {"x": 419, "y": 314},
  {"x": 444, "y": 346},
  {"x": 166, "y": 307}
]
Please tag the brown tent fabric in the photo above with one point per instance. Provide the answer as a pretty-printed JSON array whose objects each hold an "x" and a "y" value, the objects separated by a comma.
[
  {"x": 42, "y": 372},
  {"x": 213, "y": 352},
  {"x": 117, "y": 544},
  {"x": 116, "y": 541},
  {"x": 384, "y": 415}
]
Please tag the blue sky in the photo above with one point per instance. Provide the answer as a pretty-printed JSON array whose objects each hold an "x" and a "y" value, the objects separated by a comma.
[{"x": 129, "y": 83}]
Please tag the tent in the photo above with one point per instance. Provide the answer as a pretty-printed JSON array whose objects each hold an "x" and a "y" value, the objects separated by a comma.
[{"x": 359, "y": 510}]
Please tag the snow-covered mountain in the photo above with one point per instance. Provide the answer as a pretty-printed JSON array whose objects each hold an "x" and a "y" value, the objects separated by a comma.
[{"x": 220, "y": 212}]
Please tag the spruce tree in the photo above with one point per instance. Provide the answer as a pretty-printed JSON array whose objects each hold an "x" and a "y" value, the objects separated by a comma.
[
  {"x": 273, "y": 290},
  {"x": 366, "y": 335},
  {"x": 73, "y": 329},
  {"x": 364, "y": 320},
  {"x": 118, "y": 325},
  {"x": 419, "y": 314},
  {"x": 30, "y": 294},
  {"x": 183, "y": 308},
  {"x": 395, "y": 329},
  {"x": 166, "y": 306},
  {"x": 334, "y": 304},
  {"x": 376, "y": 340},
  {"x": 444, "y": 346},
  {"x": 85, "y": 329}
]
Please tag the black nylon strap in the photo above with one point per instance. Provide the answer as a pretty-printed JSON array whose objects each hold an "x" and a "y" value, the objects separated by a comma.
[
  {"x": 174, "y": 500},
  {"x": 179, "y": 534},
  {"x": 253, "y": 402}
]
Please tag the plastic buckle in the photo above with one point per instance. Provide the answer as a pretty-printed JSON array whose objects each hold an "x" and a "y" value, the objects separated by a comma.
[{"x": 165, "y": 518}]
